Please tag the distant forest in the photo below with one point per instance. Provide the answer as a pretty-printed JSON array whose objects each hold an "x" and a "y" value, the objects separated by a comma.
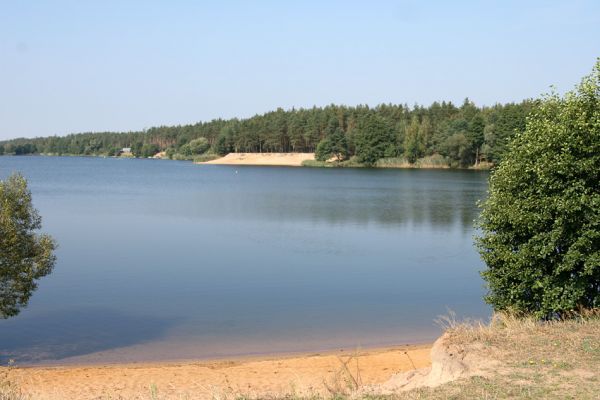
[{"x": 457, "y": 136}]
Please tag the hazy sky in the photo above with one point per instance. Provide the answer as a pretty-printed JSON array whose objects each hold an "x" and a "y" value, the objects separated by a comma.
[{"x": 74, "y": 66}]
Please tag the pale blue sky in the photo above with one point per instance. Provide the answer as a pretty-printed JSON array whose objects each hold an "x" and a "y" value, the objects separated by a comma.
[{"x": 74, "y": 66}]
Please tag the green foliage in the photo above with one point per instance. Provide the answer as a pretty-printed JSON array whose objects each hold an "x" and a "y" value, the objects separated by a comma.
[
  {"x": 333, "y": 145},
  {"x": 199, "y": 146},
  {"x": 222, "y": 146},
  {"x": 21, "y": 149},
  {"x": 323, "y": 152},
  {"x": 458, "y": 148},
  {"x": 149, "y": 149},
  {"x": 386, "y": 130},
  {"x": 541, "y": 223},
  {"x": 25, "y": 256},
  {"x": 206, "y": 157},
  {"x": 393, "y": 162},
  {"x": 136, "y": 148},
  {"x": 475, "y": 130},
  {"x": 1, "y": 150},
  {"x": 352, "y": 162},
  {"x": 414, "y": 143},
  {"x": 317, "y": 164},
  {"x": 185, "y": 151},
  {"x": 170, "y": 152},
  {"x": 374, "y": 136}
]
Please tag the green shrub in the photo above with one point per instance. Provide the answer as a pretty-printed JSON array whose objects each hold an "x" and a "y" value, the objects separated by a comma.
[
  {"x": 206, "y": 157},
  {"x": 373, "y": 137},
  {"x": 352, "y": 162},
  {"x": 318, "y": 164},
  {"x": 199, "y": 146},
  {"x": 25, "y": 255},
  {"x": 333, "y": 145},
  {"x": 393, "y": 162},
  {"x": 149, "y": 149},
  {"x": 540, "y": 226},
  {"x": 181, "y": 157}
]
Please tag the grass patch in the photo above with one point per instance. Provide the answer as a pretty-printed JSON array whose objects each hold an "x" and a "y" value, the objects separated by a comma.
[
  {"x": 434, "y": 161},
  {"x": 350, "y": 163},
  {"x": 319, "y": 164},
  {"x": 483, "y": 165},
  {"x": 206, "y": 157},
  {"x": 549, "y": 360},
  {"x": 394, "y": 162}
]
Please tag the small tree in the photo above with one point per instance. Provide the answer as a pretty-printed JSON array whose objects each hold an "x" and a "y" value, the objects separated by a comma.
[
  {"x": 333, "y": 145},
  {"x": 199, "y": 146},
  {"x": 374, "y": 136},
  {"x": 149, "y": 149},
  {"x": 25, "y": 256},
  {"x": 414, "y": 146},
  {"x": 457, "y": 148},
  {"x": 222, "y": 145},
  {"x": 541, "y": 222},
  {"x": 323, "y": 151}
]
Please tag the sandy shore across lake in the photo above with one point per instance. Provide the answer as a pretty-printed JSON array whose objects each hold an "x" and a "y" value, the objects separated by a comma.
[
  {"x": 265, "y": 376},
  {"x": 275, "y": 159}
]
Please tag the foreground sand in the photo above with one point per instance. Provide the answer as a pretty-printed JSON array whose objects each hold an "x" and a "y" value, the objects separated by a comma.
[
  {"x": 279, "y": 159},
  {"x": 256, "y": 377}
]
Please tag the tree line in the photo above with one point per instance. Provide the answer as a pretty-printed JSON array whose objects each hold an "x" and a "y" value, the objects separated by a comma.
[{"x": 459, "y": 135}]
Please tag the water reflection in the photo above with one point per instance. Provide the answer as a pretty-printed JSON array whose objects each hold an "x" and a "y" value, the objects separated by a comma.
[{"x": 436, "y": 203}]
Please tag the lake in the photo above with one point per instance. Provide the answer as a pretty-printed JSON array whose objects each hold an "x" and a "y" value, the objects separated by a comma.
[{"x": 167, "y": 260}]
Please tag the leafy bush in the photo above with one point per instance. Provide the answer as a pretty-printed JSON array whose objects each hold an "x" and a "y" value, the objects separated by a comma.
[
  {"x": 457, "y": 148},
  {"x": 333, "y": 145},
  {"x": 25, "y": 256},
  {"x": 541, "y": 223},
  {"x": 149, "y": 149},
  {"x": 393, "y": 162},
  {"x": 374, "y": 136},
  {"x": 206, "y": 157},
  {"x": 199, "y": 146}
]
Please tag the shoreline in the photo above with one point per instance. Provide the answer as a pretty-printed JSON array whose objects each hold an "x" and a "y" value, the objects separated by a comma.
[
  {"x": 238, "y": 358},
  {"x": 257, "y": 162},
  {"x": 303, "y": 373}
]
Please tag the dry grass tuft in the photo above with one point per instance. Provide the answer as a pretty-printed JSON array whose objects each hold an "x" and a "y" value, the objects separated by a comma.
[
  {"x": 8, "y": 390},
  {"x": 538, "y": 359},
  {"x": 346, "y": 380}
]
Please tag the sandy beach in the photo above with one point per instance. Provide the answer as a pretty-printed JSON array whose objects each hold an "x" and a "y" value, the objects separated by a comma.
[
  {"x": 301, "y": 374},
  {"x": 275, "y": 159}
]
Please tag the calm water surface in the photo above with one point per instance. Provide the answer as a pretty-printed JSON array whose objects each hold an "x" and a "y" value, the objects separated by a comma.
[{"x": 169, "y": 260}]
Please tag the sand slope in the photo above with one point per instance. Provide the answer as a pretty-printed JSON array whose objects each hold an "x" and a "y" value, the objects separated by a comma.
[
  {"x": 281, "y": 159},
  {"x": 301, "y": 375}
]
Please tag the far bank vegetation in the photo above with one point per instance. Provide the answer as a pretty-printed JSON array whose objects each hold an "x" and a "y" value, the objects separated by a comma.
[{"x": 439, "y": 136}]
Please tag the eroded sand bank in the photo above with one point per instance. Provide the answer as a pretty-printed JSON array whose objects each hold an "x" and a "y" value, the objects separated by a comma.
[{"x": 257, "y": 377}]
